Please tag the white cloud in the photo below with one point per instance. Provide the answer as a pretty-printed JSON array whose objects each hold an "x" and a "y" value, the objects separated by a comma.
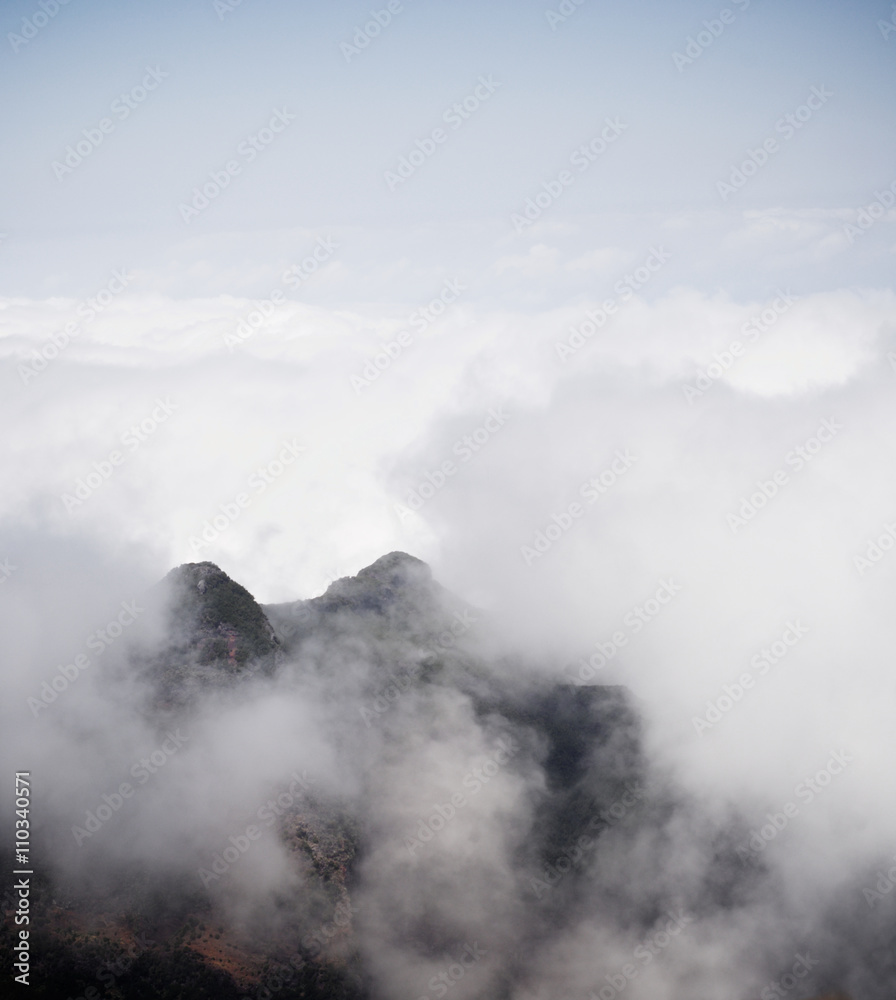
[
  {"x": 603, "y": 260},
  {"x": 541, "y": 260}
]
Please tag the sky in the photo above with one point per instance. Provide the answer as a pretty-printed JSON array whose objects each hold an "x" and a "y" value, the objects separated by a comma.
[
  {"x": 589, "y": 305},
  {"x": 160, "y": 99}
]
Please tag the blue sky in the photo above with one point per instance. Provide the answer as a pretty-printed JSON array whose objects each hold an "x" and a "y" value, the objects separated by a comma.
[{"x": 227, "y": 72}]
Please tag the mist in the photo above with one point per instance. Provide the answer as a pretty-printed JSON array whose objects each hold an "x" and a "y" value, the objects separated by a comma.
[{"x": 446, "y": 530}]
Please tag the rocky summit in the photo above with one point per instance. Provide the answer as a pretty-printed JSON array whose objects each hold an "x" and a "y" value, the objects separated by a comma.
[{"x": 349, "y": 799}]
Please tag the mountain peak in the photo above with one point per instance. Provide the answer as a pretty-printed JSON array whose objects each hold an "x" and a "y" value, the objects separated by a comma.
[
  {"x": 397, "y": 568},
  {"x": 216, "y": 619},
  {"x": 199, "y": 575},
  {"x": 394, "y": 581}
]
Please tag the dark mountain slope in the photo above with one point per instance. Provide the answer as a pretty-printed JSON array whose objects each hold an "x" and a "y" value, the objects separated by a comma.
[{"x": 385, "y": 656}]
